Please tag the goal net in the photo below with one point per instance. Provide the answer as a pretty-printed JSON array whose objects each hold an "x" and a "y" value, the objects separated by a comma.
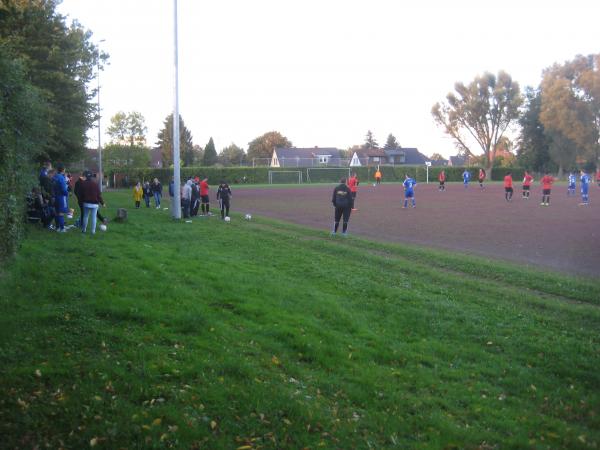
[
  {"x": 326, "y": 174},
  {"x": 285, "y": 176}
]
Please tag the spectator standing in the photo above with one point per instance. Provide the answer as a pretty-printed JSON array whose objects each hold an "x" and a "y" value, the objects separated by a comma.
[
  {"x": 138, "y": 193},
  {"x": 186, "y": 196},
  {"x": 92, "y": 199},
  {"x": 224, "y": 196},
  {"x": 61, "y": 193},
  {"x": 342, "y": 202},
  {"x": 157, "y": 192},
  {"x": 147, "y": 193}
]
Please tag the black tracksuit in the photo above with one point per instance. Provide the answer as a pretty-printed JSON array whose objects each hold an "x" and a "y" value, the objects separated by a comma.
[
  {"x": 223, "y": 195},
  {"x": 342, "y": 201}
]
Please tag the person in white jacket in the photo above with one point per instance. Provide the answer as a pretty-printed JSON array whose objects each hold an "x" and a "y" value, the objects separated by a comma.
[{"x": 186, "y": 197}]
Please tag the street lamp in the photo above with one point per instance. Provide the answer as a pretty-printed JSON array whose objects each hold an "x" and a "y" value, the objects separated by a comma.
[{"x": 101, "y": 173}]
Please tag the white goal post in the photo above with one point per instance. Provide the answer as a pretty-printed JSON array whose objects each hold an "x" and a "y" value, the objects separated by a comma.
[
  {"x": 326, "y": 174},
  {"x": 285, "y": 176}
]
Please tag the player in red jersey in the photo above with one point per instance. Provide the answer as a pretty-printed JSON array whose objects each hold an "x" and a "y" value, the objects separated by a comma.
[
  {"x": 546, "y": 181},
  {"x": 481, "y": 177},
  {"x": 204, "y": 197},
  {"x": 527, "y": 180},
  {"x": 353, "y": 185},
  {"x": 442, "y": 180},
  {"x": 508, "y": 186}
]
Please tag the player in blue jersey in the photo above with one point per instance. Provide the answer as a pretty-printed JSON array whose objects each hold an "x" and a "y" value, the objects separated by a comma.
[
  {"x": 61, "y": 192},
  {"x": 409, "y": 190},
  {"x": 572, "y": 183},
  {"x": 466, "y": 177},
  {"x": 585, "y": 186}
]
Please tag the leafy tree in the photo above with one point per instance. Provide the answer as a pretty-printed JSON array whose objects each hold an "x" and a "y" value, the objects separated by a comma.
[
  {"x": 118, "y": 156},
  {"x": 198, "y": 153},
  {"x": 571, "y": 105},
  {"x": 391, "y": 143},
  {"x": 210, "y": 154},
  {"x": 533, "y": 144},
  {"x": 23, "y": 129},
  {"x": 563, "y": 151},
  {"x": 128, "y": 128},
  {"x": 482, "y": 111},
  {"x": 165, "y": 142},
  {"x": 370, "y": 141},
  {"x": 263, "y": 146},
  {"x": 232, "y": 155},
  {"x": 437, "y": 157},
  {"x": 60, "y": 61}
]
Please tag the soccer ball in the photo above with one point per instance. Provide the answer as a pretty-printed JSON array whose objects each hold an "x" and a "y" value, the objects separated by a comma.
[
  {"x": 102, "y": 227},
  {"x": 227, "y": 219},
  {"x": 248, "y": 216}
]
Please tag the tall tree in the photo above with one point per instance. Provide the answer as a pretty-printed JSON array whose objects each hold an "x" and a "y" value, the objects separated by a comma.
[
  {"x": 437, "y": 157},
  {"x": 370, "y": 141},
  {"x": 571, "y": 104},
  {"x": 481, "y": 112},
  {"x": 60, "y": 61},
  {"x": 128, "y": 128},
  {"x": 263, "y": 146},
  {"x": 232, "y": 155},
  {"x": 533, "y": 144},
  {"x": 165, "y": 142},
  {"x": 210, "y": 154},
  {"x": 391, "y": 143},
  {"x": 118, "y": 156}
]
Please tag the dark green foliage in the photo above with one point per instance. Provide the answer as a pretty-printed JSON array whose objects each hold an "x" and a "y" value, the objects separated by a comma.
[
  {"x": 391, "y": 143},
  {"x": 60, "y": 61},
  {"x": 186, "y": 146},
  {"x": 534, "y": 146},
  {"x": 370, "y": 141},
  {"x": 23, "y": 126},
  {"x": 210, "y": 154}
]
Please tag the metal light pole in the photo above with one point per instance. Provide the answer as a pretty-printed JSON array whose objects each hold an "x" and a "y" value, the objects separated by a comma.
[
  {"x": 176, "y": 207},
  {"x": 101, "y": 173}
]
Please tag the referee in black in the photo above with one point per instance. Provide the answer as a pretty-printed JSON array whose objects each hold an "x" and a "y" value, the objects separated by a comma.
[
  {"x": 223, "y": 195},
  {"x": 342, "y": 202}
]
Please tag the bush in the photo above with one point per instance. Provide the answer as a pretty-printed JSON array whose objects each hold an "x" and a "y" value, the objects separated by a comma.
[{"x": 22, "y": 131}]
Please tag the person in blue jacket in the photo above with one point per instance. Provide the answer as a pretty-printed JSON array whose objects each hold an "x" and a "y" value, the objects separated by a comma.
[
  {"x": 466, "y": 177},
  {"x": 61, "y": 194},
  {"x": 409, "y": 190}
]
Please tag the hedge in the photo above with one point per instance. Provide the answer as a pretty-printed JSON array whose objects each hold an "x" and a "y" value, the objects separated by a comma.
[{"x": 260, "y": 175}]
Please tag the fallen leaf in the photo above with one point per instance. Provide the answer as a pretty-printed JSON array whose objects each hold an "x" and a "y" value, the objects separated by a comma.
[
  {"x": 213, "y": 424},
  {"x": 244, "y": 447},
  {"x": 156, "y": 422},
  {"x": 287, "y": 421},
  {"x": 275, "y": 360},
  {"x": 38, "y": 373},
  {"x": 93, "y": 442}
]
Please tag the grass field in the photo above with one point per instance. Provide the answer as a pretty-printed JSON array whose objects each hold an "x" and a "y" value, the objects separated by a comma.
[{"x": 263, "y": 334}]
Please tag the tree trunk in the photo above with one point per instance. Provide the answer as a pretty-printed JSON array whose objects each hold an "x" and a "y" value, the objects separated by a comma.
[{"x": 560, "y": 172}]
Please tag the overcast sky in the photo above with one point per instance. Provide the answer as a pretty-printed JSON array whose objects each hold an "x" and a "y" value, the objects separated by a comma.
[{"x": 321, "y": 72}]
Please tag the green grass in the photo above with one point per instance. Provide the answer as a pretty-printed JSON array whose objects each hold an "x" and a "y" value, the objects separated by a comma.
[{"x": 263, "y": 334}]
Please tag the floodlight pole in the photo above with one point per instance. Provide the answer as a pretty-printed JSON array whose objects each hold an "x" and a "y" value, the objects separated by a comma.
[
  {"x": 101, "y": 173},
  {"x": 176, "y": 206}
]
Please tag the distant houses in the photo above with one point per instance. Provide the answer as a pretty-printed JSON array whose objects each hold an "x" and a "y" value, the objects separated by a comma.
[
  {"x": 307, "y": 157},
  {"x": 397, "y": 156}
]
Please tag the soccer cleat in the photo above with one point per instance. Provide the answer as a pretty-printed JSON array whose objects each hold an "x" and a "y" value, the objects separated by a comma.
[{"x": 344, "y": 234}]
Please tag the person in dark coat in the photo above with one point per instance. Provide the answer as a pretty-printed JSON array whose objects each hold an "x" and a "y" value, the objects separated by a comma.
[{"x": 342, "y": 202}]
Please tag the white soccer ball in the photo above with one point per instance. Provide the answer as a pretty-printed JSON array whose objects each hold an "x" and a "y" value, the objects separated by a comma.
[
  {"x": 248, "y": 216},
  {"x": 227, "y": 219},
  {"x": 102, "y": 227}
]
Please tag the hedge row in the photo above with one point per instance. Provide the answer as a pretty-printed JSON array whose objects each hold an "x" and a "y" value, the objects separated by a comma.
[{"x": 260, "y": 175}]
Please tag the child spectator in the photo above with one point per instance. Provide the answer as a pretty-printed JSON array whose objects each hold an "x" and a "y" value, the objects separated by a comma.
[
  {"x": 157, "y": 192},
  {"x": 147, "y": 193},
  {"x": 138, "y": 193}
]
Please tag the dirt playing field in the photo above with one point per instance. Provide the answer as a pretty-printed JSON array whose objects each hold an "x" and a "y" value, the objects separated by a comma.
[{"x": 563, "y": 236}]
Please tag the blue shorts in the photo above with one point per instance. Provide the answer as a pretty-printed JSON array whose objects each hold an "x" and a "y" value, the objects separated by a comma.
[
  {"x": 409, "y": 194},
  {"x": 585, "y": 190},
  {"x": 61, "y": 204},
  {"x": 572, "y": 186}
]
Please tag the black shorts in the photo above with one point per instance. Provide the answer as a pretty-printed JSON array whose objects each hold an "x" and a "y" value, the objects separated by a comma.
[
  {"x": 442, "y": 182},
  {"x": 204, "y": 199},
  {"x": 508, "y": 189},
  {"x": 526, "y": 188},
  {"x": 546, "y": 191}
]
